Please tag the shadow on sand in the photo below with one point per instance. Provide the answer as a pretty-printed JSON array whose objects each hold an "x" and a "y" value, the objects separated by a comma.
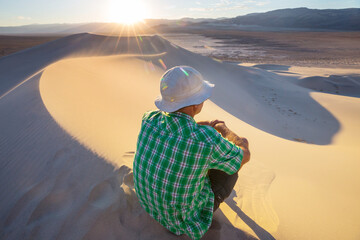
[
  {"x": 345, "y": 85},
  {"x": 258, "y": 230}
]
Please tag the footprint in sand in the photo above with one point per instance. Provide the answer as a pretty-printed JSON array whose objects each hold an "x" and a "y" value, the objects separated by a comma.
[
  {"x": 27, "y": 203},
  {"x": 103, "y": 194},
  {"x": 39, "y": 198},
  {"x": 111, "y": 190},
  {"x": 62, "y": 156},
  {"x": 54, "y": 204}
]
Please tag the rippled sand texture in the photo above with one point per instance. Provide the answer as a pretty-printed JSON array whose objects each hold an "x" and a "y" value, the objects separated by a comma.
[{"x": 70, "y": 117}]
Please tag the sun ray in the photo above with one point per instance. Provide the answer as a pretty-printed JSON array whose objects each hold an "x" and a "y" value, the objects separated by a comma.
[
  {"x": 119, "y": 36},
  {"x": 135, "y": 35},
  {"x": 107, "y": 37}
]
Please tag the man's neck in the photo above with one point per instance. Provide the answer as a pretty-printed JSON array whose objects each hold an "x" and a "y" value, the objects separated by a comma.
[{"x": 187, "y": 111}]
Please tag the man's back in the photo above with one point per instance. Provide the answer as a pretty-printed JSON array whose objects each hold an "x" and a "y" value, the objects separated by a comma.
[{"x": 171, "y": 166}]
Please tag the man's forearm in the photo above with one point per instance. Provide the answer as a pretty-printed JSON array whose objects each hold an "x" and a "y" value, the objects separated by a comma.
[
  {"x": 239, "y": 141},
  {"x": 231, "y": 136}
]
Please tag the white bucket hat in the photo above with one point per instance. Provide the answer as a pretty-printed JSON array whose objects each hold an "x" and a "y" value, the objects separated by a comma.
[{"x": 182, "y": 86}]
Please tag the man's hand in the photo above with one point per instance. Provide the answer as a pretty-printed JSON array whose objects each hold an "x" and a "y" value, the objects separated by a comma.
[
  {"x": 213, "y": 123},
  {"x": 217, "y": 124},
  {"x": 222, "y": 129}
]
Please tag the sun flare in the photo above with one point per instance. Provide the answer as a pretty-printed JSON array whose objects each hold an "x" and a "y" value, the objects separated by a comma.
[{"x": 127, "y": 12}]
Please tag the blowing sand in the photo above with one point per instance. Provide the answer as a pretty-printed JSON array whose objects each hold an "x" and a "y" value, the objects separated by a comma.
[{"x": 68, "y": 135}]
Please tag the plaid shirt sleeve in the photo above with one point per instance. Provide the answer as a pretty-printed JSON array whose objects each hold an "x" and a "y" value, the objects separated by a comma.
[{"x": 226, "y": 156}]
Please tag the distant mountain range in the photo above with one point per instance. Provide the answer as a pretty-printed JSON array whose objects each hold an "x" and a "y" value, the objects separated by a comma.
[
  {"x": 296, "y": 18},
  {"x": 336, "y": 19}
]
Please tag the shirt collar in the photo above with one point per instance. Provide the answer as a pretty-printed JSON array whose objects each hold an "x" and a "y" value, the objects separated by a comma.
[
  {"x": 182, "y": 115},
  {"x": 181, "y": 122}
]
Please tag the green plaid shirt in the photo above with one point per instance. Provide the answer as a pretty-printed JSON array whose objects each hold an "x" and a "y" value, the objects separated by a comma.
[{"x": 171, "y": 166}]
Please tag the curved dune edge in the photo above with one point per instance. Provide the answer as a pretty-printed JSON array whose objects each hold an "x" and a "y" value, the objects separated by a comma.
[
  {"x": 87, "y": 97},
  {"x": 102, "y": 107},
  {"x": 100, "y": 100}
]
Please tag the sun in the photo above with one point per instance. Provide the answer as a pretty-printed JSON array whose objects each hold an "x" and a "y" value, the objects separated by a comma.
[{"x": 127, "y": 11}]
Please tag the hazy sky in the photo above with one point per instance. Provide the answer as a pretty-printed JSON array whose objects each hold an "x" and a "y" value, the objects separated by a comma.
[{"x": 22, "y": 12}]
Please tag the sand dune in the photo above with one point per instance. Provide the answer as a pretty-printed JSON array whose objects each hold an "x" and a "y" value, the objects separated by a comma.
[
  {"x": 329, "y": 80},
  {"x": 69, "y": 123}
]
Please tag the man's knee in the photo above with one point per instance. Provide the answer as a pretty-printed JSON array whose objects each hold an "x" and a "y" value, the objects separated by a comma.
[{"x": 223, "y": 191}]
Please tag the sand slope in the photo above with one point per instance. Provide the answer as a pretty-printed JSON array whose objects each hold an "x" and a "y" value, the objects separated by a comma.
[
  {"x": 329, "y": 80},
  {"x": 68, "y": 134}
]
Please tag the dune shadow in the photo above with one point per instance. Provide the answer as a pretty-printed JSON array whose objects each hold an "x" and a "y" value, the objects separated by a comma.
[
  {"x": 56, "y": 188},
  {"x": 278, "y": 108},
  {"x": 291, "y": 73},
  {"x": 345, "y": 85}
]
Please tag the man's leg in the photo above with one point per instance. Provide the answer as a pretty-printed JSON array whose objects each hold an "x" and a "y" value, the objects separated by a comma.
[{"x": 222, "y": 185}]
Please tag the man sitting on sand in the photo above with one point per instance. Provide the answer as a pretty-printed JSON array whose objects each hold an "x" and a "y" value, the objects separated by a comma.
[{"x": 184, "y": 169}]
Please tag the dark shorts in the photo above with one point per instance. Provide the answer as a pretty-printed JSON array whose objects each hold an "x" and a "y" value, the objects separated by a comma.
[{"x": 222, "y": 185}]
